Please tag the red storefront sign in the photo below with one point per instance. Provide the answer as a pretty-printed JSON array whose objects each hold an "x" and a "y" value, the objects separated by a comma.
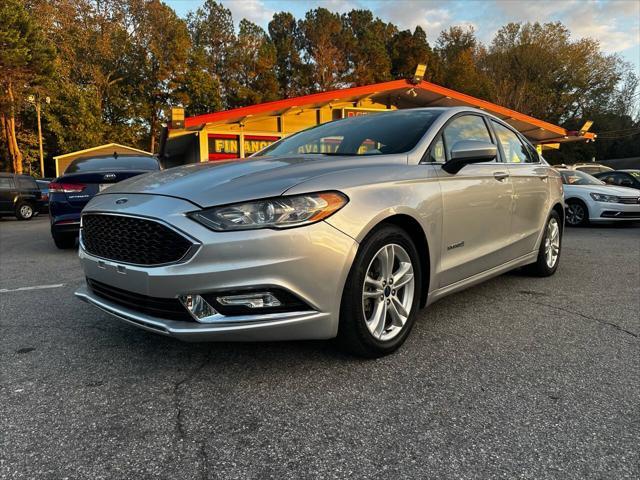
[{"x": 226, "y": 146}]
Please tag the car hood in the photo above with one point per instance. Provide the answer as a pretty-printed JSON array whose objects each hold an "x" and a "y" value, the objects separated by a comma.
[
  {"x": 209, "y": 184},
  {"x": 604, "y": 189}
]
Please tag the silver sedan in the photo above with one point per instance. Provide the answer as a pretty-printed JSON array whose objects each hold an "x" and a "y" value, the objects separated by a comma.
[{"x": 342, "y": 230}]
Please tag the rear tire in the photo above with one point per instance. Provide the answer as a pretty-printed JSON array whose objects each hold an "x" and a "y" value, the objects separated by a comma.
[
  {"x": 376, "y": 317},
  {"x": 24, "y": 211},
  {"x": 550, "y": 247},
  {"x": 577, "y": 214},
  {"x": 64, "y": 241}
]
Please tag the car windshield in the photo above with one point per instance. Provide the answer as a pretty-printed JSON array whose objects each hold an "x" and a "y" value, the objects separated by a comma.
[
  {"x": 374, "y": 134},
  {"x": 576, "y": 177},
  {"x": 122, "y": 162}
]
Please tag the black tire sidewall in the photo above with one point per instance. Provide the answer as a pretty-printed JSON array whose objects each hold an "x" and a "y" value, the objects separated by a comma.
[{"x": 352, "y": 326}]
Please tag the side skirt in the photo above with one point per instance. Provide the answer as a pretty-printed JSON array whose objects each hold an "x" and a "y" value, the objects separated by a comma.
[{"x": 481, "y": 277}]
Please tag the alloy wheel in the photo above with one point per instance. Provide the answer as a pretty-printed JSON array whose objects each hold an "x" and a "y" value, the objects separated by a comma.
[
  {"x": 575, "y": 214},
  {"x": 552, "y": 243},
  {"x": 388, "y": 291},
  {"x": 26, "y": 211}
]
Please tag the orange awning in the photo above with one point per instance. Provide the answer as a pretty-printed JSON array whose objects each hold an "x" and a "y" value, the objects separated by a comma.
[{"x": 402, "y": 94}]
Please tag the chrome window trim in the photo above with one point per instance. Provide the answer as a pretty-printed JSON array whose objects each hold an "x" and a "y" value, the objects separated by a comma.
[{"x": 191, "y": 251}]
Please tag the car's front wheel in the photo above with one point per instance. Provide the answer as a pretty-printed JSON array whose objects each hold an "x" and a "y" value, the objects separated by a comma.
[
  {"x": 577, "y": 213},
  {"x": 382, "y": 294}
]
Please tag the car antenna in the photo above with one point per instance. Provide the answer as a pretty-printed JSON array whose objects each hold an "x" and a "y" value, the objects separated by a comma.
[{"x": 115, "y": 155}]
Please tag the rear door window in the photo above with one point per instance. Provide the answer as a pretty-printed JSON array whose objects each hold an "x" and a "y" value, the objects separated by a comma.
[{"x": 512, "y": 147}]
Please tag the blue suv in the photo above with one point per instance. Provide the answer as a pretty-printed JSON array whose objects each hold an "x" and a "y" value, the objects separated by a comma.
[{"x": 81, "y": 181}]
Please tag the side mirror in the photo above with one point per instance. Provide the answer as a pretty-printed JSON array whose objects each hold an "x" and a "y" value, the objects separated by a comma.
[{"x": 466, "y": 152}]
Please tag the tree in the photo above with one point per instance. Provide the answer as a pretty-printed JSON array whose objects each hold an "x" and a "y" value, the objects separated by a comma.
[
  {"x": 459, "y": 54},
  {"x": 252, "y": 61},
  {"x": 321, "y": 37},
  {"x": 159, "y": 53},
  {"x": 537, "y": 69},
  {"x": 407, "y": 50},
  {"x": 365, "y": 46},
  {"x": 213, "y": 38},
  {"x": 291, "y": 72},
  {"x": 26, "y": 58}
]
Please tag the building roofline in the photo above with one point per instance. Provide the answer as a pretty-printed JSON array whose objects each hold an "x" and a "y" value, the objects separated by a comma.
[{"x": 377, "y": 88}]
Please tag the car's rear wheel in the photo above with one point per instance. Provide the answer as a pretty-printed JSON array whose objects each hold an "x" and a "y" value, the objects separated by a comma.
[
  {"x": 577, "y": 213},
  {"x": 64, "y": 241},
  {"x": 382, "y": 294},
  {"x": 24, "y": 211},
  {"x": 549, "y": 253}
]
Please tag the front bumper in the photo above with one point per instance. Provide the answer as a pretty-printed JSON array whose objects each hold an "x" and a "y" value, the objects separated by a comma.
[
  {"x": 607, "y": 212},
  {"x": 311, "y": 262}
]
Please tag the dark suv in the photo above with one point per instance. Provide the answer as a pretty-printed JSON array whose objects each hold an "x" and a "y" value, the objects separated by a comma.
[
  {"x": 19, "y": 196},
  {"x": 81, "y": 181}
]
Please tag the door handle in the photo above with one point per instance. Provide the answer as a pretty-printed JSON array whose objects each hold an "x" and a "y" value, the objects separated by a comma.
[
  {"x": 500, "y": 176},
  {"x": 543, "y": 177}
]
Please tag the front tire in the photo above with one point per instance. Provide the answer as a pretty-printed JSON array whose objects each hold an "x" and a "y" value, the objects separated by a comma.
[
  {"x": 577, "y": 213},
  {"x": 24, "y": 211},
  {"x": 549, "y": 253},
  {"x": 381, "y": 295}
]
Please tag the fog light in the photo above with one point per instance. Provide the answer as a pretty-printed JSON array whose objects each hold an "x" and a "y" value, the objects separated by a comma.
[
  {"x": 198, "y": 308},
  {"x": 250, "y": 300}
]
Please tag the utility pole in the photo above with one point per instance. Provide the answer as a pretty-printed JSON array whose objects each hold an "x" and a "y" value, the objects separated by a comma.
[
  {"x": 40, "y": 139},
  {"x": 36, "y": 101}
]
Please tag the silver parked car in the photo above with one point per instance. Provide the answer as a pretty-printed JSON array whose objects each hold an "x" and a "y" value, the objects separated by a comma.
[{"x": 342, "y": 230}]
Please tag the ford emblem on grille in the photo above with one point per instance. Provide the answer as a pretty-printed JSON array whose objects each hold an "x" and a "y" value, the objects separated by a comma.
[
  {"x": 120, "y": 201},
  {"x": 109, "y": 176}
]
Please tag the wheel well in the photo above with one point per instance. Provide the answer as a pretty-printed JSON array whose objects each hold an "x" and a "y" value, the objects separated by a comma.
[
  {"x": 415, "y": 231},
  {"x": 560, "y": 210}
]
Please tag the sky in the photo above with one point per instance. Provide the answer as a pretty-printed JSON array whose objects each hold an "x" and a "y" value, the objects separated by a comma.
[{"x": 614, "y": 23}]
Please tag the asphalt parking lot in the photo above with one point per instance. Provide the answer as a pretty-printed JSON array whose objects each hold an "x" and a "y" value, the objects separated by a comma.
[{"x": 516, "y": 378}]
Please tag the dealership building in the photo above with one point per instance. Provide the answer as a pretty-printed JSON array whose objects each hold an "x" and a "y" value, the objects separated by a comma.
[{"x": 240, "y": 132}]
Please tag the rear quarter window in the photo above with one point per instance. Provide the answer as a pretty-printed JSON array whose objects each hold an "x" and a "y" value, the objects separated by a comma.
[{"x": 27, "y": 183}]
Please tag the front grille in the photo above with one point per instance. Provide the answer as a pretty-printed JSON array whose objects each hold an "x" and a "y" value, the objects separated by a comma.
[
  {"x": 132, "y": 240},
  {"x": 629, "y": 200},
  {"x": 169, "y": 308}
]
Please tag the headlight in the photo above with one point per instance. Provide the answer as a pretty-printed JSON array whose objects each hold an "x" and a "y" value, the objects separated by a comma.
[
  {"x": 278, "y": 212},
  {"x": 599, "y": 197}
]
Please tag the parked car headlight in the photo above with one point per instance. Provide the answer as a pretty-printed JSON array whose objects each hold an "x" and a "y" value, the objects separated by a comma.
[
  {"x": 278, "y": 212},
  {"x": 599, "y": 197}
]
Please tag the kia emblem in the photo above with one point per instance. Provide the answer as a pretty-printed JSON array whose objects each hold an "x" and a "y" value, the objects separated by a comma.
[{"x": 120, "y": 201}]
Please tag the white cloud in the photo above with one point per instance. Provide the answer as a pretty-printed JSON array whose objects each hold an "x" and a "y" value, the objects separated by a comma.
[
  {"x": 614, "y": 23},
  {"x": 256, "y": 11},
  {"x": 408, "y": 14}
]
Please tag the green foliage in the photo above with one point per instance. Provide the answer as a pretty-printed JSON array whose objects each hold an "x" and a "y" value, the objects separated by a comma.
[{"x": 118, "y": 65}]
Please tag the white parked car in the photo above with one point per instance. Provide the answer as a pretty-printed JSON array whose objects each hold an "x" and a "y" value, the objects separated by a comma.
[{"x": 591, "y": 200}]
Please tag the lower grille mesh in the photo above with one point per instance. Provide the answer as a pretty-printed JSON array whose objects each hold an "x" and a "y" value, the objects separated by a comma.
[
  {"x": 169, "y": 308},
  {"x": 132, "y": 240}
]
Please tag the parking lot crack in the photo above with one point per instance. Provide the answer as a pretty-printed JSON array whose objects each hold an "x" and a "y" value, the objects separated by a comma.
[
  {"x": 178, "y": 391},
  {"x": 586, "y": 317}
]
